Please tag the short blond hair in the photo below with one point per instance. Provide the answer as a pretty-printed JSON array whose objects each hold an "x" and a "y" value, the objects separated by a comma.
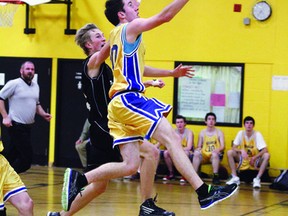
[{"x": 83, "y": 36}]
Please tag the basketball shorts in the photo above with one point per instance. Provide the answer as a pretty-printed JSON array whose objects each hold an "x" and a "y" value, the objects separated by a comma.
[
  {"x": 244, "y": 164},
  {"x": 206, "y": 157},
  {"x": 133, "y": 117},
  {"x": 10, "y": 182}
]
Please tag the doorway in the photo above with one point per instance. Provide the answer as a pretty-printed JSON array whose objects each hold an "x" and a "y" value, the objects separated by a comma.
[{"x": 71, "y": 112}]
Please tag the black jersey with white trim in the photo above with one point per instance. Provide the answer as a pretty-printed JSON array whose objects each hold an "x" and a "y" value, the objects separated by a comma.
[{"x": 96, "y": 91}]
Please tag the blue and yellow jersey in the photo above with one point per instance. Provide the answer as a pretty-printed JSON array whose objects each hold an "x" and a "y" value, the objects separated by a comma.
[{"x": 127, "y": 62}]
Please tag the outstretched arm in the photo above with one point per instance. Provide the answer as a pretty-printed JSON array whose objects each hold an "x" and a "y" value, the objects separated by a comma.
[
  {"x": 139, "y": 25},
  {"x": 179, "y": 71}
]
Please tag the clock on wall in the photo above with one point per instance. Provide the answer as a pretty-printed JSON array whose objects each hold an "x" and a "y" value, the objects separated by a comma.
[{"x": 262, "y": 11}]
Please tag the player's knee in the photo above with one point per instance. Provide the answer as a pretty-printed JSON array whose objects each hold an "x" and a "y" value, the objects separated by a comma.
[
  {"x": 26, "y": 208},
  {"x": 266, "y": 156},
  {"x": 132, "y": 166},
  {"x": 153, "y": 154},
  {"x": 214, "y": 156},
  {"x": 197, "y": 154},
  {"x": 230, "y": 153}
]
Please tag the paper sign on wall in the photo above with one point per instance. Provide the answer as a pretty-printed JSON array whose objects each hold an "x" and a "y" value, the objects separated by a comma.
[{"x": 280, "y": 83}]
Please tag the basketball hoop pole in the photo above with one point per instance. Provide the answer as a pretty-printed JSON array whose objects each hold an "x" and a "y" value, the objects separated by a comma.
[
  {"x": 28, "y": 30},
  {"x": 67, "y": 31}
]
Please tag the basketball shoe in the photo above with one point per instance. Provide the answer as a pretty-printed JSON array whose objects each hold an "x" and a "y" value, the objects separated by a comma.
[
  {"x": 149, "y": 208},
  {"x": 74, "y": 181},
  {"x": 216, "y": 194}
]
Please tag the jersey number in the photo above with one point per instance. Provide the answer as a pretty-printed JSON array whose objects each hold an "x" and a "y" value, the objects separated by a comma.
[{"x": 113, "y": 55}]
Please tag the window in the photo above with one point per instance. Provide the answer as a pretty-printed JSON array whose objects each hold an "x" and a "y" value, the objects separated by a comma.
[{"x": 216, "y": 87}]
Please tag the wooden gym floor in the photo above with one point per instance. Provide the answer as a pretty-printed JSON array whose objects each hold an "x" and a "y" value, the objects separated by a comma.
[{"x": 123, "y": 198}]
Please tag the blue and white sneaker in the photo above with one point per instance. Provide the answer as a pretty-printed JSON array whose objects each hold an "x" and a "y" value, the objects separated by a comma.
[
  {"x": 217, "y": 194},
  {"x": 70, "y": 188}
]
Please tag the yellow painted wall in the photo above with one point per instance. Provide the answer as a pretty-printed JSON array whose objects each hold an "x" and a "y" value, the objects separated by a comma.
[{"x": 203, "y": 31}]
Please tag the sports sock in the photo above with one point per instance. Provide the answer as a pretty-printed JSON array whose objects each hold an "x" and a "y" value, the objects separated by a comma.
[
  {"x": 82, "y": 181},
  {"x": 203, "y": 190}
]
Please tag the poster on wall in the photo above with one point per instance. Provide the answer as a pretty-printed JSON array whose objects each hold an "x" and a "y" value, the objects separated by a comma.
[{"x": 216, "y": 87}]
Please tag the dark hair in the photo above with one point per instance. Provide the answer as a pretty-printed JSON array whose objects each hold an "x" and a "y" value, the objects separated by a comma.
[
  {"x": 210, "y": 114},
  {"x": 249, "y": 118},
  {"x": 112, "y": 7},
  {"x": 26, "y": 62},
  {"x": 181, "y": 117}
]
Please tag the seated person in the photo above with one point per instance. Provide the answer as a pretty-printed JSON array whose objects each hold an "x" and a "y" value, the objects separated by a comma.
[
  {"x": 210, "y": 147},
  {"x": 250, "y": 151},
  {"x": 80, "y": 144},
  {"x": 187, "y": 137}
]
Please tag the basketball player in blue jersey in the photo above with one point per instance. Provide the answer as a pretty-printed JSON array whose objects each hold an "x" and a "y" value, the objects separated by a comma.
[
  {"x": 97, "y": 79},
  {"x": 132, "y": 116}
]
